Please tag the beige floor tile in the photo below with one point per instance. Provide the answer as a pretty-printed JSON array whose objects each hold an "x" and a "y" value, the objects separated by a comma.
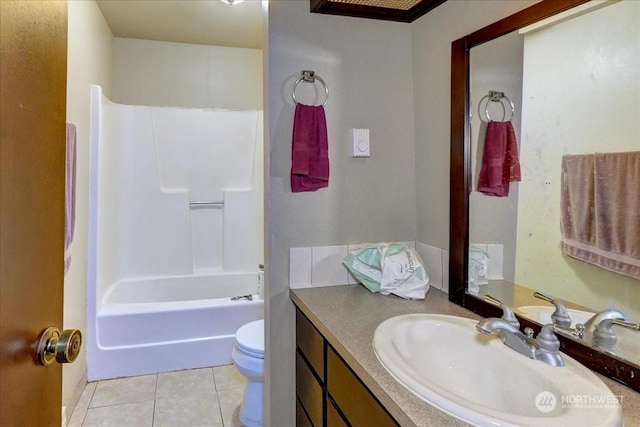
[
  {"x": 183, "y": 398},
  {"x": 124, "y": 390},
  {"x": 139, "y": 414},
  {"x": 185, "y": 384},
  {"x": 80, "y": 410},
  {"x": 230, "y": 401},
  {"x": 193, "y": 411},
  {"x": 228, "y": 377}
]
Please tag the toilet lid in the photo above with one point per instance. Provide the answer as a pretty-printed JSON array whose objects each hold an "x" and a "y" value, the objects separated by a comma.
[{"x": 250, "y": 338}]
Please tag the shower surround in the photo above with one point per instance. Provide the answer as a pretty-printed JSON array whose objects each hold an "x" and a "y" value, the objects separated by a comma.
[{"x": 175, "y": 231}]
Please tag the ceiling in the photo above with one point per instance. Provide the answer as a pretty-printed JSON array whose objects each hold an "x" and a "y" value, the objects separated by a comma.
[{"x": 209, "y": 22}]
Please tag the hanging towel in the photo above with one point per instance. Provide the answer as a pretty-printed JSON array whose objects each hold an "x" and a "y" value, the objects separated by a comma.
[
  {"x": 310, "y": 149},
  {"x": 69, "y": 195},
  {"x": 600, "y": 217},
  {"x": 500, "y": 163}
]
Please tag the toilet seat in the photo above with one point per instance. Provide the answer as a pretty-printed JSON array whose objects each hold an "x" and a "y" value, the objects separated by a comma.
[{"x": 250, "y": 339}]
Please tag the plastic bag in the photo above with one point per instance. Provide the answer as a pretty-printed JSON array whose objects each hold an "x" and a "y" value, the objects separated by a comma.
[
  {"x": 389, "y": 269},
  {"x": 478, "y": 268}
]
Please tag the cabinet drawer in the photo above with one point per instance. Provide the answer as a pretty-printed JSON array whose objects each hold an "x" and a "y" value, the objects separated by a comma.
[
  {"x": 310, "y": 342},
  {"x": 334, "y": 419},
  {"x": 357, "y": 404},
  {"x": 309, "y": 391},
  {"x": 301, "y": 416}
]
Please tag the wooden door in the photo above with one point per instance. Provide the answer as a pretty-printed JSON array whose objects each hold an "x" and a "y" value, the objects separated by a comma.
[{"x": 33, "y": 61}]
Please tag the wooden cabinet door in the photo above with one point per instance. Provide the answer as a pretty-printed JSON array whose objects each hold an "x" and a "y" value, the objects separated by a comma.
[{"x": 33, "y": 61}]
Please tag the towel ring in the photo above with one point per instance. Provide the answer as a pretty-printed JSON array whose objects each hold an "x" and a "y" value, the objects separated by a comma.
[
  {"x": 495, "y": 96},
  {"x": 310, "y": 77}
]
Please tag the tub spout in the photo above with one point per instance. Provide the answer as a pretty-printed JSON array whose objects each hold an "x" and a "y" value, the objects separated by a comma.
[{"x": 248, "y": 297}]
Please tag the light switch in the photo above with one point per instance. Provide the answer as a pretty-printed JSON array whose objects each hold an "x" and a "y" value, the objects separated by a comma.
[{"x": 361, "y": 144}]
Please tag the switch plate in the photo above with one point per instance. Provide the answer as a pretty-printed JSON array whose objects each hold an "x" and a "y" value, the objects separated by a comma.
[{"x": 360, "y": 143}]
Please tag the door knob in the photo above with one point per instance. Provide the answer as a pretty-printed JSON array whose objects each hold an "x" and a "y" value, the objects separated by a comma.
[{"x": 62, "y": 347}]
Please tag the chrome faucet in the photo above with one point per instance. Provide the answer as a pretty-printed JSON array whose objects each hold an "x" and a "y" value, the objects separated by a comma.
[
  {"x": 560, "y": 317},
  {"x": 605, "y": 338},
  {"x": 509, "y": 334},
  {"x": 592, "y": 324},
  {"x": 599, "y": 328},
  {"x": 545, "y": 347}
]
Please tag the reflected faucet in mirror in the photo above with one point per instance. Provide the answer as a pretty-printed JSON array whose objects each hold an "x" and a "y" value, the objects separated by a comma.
[
  {"x": 605, "y": 338},
  {"x": 560, "y": 317},
  {"x": 599, "y": 329}
]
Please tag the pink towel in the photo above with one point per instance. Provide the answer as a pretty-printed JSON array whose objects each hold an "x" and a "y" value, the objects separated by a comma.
[
  {"x": 500, "y": 163},
  {"x": 600, "y": 219},
  {"x": 310, "y": 149},
  {"x": 69, "y": 195}
]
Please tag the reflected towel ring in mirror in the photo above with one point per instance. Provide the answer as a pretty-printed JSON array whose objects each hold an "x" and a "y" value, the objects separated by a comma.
[
  {"x": 495, "y": 96},
  {"x": 310, "y": 77}
]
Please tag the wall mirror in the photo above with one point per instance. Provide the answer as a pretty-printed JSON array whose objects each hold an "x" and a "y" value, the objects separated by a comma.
[{"x": 569, "y": 85}]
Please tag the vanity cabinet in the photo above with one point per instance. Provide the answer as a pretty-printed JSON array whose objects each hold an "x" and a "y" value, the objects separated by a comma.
[{"x": 328, "y": 393}]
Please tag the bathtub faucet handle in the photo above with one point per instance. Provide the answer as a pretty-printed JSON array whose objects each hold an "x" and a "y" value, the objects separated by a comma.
[{"x": 248, "y": 297}]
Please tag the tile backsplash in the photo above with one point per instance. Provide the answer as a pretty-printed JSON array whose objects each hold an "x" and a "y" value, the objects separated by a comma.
[
  {"x": 322, "y": 265},
  {"x": 495, "y": 253},
  {"x": 300, "y": 262}
]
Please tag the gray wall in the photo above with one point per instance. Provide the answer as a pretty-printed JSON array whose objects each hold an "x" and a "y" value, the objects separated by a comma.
[
  {"x": 367, "y": 66},
  {"x": 375, "y": 70}
]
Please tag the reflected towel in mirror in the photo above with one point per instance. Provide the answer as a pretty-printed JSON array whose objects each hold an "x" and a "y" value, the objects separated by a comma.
[
  {"x": 600, "y": 210},
  {"x": 500, "y": 163}
]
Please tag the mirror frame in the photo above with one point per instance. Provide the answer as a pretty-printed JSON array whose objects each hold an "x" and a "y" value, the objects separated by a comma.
[{"x": 460, "y": 188}]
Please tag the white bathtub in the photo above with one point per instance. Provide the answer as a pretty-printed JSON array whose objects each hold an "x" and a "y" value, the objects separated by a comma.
[{"x": 169, "y": 323}]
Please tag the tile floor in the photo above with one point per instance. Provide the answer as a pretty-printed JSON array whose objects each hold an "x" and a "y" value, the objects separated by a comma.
[{"x": 207, "y": 397}]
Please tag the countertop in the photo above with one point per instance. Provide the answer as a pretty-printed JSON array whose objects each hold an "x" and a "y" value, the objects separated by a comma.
[{"x": 348, "y": 316}]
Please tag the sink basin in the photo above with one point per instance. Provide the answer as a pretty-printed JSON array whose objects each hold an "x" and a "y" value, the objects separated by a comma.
[
  {"x": 627, "y": 347},
  {"x": 473, "y": 377}
]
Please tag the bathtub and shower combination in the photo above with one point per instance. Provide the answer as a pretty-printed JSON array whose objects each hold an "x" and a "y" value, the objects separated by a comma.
[{"x": 175, "y": 231}]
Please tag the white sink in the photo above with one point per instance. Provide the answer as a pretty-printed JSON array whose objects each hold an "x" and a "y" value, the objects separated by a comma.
[
  {"x": 473, "y": 377},
  {"x": 627, "y": 347}
]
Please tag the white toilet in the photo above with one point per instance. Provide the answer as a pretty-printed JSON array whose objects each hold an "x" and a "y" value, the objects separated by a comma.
[{"x": 248, "y": 355}]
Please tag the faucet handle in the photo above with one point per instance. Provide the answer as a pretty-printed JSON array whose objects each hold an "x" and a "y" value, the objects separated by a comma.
[
  {"x": 547, "y": 339},
  {"x": 507, "y": 312},
  {"x": 577, "y": 331},
  {"x": 625, "y": 324},
  {"x": 561, "y": 316},
  {"x": 604, "y": 337}
]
